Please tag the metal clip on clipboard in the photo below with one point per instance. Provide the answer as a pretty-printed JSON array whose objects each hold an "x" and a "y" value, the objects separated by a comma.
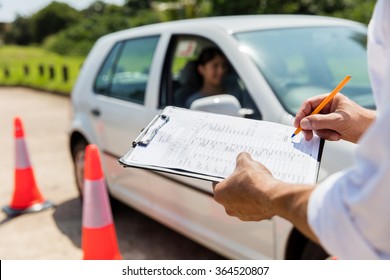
[{"x": 150, "y": 131}]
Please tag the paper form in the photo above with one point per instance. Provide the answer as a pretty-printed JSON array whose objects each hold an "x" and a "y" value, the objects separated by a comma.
[{"x": 208, "y": 144}]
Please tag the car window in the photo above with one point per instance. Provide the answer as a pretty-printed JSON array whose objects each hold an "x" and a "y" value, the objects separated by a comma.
[
  {"x": 103, "y": 79},
  {"x": 183, "y": 71},
  {"x": 302, "y": 62},
  {"x": 186, "y": 80},
  {"x": 177, "y": 77},
  {"x": 125, "y": 72}
]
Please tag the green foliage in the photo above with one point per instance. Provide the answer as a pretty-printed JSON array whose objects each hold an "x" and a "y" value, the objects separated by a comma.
[
  {"x": 79, "y": 38},
  {"x": 358, "y": 10},
  {"x": 302, "y": 6},
  {"x": 64, "y": 30},
  {"x": 134, "y": 6},
  {"x": 72, "y": 33},
  {"x": 144, "y": 17},
  {"x": 53, "y": 18},
  {"x": 223, "y": 7},
  {"x": 99, "y": 19},
  {"x": 174, "y": 10},
  {"x": 21, "y": 32}
]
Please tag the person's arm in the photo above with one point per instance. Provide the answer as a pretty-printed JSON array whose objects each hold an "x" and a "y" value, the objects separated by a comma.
[
  {"x": 341, "y": 118},
  {"x": 251, "y": 193}
]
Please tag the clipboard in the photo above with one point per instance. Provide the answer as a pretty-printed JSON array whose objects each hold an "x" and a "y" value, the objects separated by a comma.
[
  {"x": 145, "y": 137},
  {"x": 147, "y": 134},
  {"x": 205, "y": 145}
]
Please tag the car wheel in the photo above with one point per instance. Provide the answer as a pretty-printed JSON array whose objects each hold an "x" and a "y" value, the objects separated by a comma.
[
  {"x": 313, "y": 251},
  {"x": 299, "y": 247},
  {"x": 78, "y": 154}
]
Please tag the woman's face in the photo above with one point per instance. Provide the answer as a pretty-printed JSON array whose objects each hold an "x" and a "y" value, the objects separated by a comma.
[{"x": 213, "y": 71}]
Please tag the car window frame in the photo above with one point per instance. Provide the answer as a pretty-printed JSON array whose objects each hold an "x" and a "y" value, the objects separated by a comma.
[
  {"x": 104, "y": 61},
  {"x": 166, "y": 76},
  {"x": 166, "y": 94},
  {"x": 114, "y": 66},
  {"x": 326, "y": 72}
]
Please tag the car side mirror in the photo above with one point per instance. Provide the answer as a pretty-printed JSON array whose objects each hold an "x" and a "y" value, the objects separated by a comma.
[{"x": 224, "y": 104}]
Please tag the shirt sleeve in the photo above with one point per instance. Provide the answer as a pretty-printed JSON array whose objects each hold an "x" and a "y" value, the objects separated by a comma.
[
  {"x": 350, "y": 211},
  {"x": 378, "y": 52}
]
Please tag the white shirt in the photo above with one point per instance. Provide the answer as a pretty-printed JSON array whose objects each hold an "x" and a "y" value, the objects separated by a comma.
[{"x": 350, "y": 211}]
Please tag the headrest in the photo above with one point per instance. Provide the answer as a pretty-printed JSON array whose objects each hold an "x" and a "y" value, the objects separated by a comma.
[{"x": 189, "y": 75}]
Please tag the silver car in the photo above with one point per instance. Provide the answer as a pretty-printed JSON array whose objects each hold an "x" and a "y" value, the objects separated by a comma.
[{"x": 275, "y": 63}]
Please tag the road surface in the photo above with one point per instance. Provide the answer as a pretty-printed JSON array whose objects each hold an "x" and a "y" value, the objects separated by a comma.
[{"x": 56, "y": 233}]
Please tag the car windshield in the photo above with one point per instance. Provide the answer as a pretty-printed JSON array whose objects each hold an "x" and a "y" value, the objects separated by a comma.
[{"x": 299, "y": 63}]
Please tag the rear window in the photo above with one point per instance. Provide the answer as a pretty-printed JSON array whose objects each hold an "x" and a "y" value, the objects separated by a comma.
[{"x": 125, "y": 72}]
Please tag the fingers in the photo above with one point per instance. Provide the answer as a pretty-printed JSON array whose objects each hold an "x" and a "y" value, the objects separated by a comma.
[
  {"x": 214, "y": 184},
  {"x": 243, "y": 158},
  {"x": 318, "y": 122},
  {"x": 326, "y": 126},
  {"x": 222, "y": 189},
  {"x": 242, "y": 161},
  {"x": 308, "y": 134},
  {"x": 307, "y": 107},
  {"x": 239, "y": 193},
  {"x": 246, "y": 217},
  {"x": 324, "y": 134},
  {"x": 303, "y": 111},
  {"x": 328, "y": 135}
]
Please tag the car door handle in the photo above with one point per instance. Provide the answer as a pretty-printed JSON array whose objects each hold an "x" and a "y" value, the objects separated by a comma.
[
  {"x": 95, "y": 112},
  {"x": 246, "y": 112}
]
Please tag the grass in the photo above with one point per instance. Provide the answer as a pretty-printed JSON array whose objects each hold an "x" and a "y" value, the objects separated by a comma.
[{"x": 16, "y": 58}]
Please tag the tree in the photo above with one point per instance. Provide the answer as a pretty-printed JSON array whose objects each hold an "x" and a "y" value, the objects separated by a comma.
[
  {"x": 21, "y": 32},
  {"x": 224, "y": 7},
  {"x": 96, "y": 8},
  {"x": 98, "y": 20},
  {"x": 53, "y": 18},
  {"x": 134, "y": 6},
  {"x": 359, "y": 10}
]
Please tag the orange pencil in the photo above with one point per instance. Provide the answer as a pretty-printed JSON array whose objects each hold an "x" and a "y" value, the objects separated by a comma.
[{"x": 325, "y": 101}]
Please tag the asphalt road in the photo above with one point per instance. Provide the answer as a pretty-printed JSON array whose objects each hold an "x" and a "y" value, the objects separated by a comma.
[{"x": 56, "y": 233}]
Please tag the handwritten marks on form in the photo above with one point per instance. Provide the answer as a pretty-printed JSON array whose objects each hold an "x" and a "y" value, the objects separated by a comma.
[{"x": 205, "y": 143}]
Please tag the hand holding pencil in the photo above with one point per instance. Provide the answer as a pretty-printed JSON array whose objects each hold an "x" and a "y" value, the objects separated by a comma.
[
  {"x": 325, "y": 101},
  {"x": 340, "y": 118}
]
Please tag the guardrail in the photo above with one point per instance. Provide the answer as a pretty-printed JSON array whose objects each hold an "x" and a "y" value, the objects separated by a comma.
[{"x": 49, "y": 76}]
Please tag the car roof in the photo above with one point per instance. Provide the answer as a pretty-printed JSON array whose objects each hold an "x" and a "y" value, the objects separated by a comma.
[{"x": 235, "y": 24}]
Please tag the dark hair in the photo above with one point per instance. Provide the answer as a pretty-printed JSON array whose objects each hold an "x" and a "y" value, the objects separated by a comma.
[{"x": 208, "y": 54}]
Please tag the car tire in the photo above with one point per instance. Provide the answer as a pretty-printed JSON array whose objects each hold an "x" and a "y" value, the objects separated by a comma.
[
  {"x": 299, "y": 247},
  {"x": 78, "y": 154},
  {"x": 313, "y": 251}
]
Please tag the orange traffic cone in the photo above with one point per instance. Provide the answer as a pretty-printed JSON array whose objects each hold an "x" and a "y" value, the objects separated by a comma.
[
  {"x": 26, "y": 197},
  {"x": 98, "y": 234}
]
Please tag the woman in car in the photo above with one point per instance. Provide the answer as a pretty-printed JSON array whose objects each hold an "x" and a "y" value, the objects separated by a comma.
[{"x": 212, "y": 66}]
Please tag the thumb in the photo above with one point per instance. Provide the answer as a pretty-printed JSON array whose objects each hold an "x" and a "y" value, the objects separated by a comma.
[
  {"x": 242, "y": 159},
  {"x": 318, "y": 122}
]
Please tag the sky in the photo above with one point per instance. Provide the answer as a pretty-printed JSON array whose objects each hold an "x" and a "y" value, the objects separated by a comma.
[{"x": 10, "y": 8}]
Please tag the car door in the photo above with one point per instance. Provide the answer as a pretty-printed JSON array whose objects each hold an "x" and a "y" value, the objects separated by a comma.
[
  {"x": 120, "y": 112},
  {"x": 189, "y": 203}
]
